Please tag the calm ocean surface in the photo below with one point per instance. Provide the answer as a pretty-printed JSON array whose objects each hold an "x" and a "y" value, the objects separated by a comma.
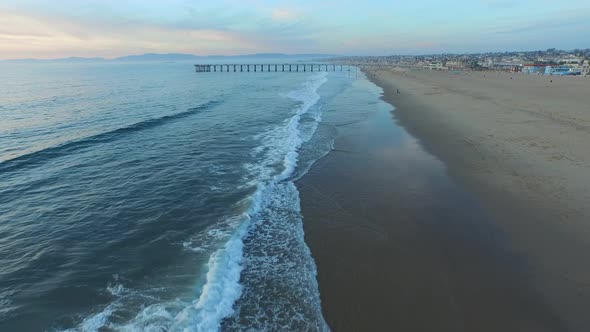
[{"x": 146, "y": 197}]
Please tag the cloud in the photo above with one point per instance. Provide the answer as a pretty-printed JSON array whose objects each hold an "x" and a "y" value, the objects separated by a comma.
[
  {"x": 285, "y": 14},
  {"x": 559, "y": 22},
  {"x": 26, "y": 35},
  {"x": 100, "y": 29},
  {"x": 109, "y": 28}
]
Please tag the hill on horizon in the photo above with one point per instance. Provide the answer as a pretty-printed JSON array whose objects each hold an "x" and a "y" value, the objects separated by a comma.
[{"x": 159, "y": 57}]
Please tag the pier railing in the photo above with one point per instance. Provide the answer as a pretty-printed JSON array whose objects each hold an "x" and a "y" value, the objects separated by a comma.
[{"x": 288, "y": 67}]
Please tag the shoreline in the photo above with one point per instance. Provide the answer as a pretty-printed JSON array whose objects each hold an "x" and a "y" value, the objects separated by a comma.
[
  {"x": 518, "y": 147},
  {"x": 399, "y": 245}
]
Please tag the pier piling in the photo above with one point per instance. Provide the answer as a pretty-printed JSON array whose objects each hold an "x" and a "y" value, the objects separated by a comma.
[{"x": 285, "y": 67}]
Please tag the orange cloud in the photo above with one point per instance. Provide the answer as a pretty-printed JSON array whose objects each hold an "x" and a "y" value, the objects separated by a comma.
[{"x": 25, "y": 36}]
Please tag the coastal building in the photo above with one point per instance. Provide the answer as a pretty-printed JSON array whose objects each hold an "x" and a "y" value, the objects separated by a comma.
[
  {"x": 534, "y": 68},
  {"x": 455, "y": 65},
  {"x": 585, "y": 68},
  {"x": 507, "y": 66},
  {"x": 436, "y": 66},
  {"x": 570, "y": 61},
  {"x": 532, "y": 62},
  {"x": 486, "y": 63},
  {"x": 561, "y": 70}
]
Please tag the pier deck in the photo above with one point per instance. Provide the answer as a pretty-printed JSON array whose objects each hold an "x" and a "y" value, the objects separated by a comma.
[{"x": 288, "y": 67}]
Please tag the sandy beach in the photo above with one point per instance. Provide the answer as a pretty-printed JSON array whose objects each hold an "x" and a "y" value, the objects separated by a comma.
[
  {"x": 520, "y": 143},
  {"x": 499, "y": 242}
]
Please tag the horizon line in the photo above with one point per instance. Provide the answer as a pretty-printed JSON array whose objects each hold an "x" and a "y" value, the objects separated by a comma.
[{"x": 283, "y": 54}]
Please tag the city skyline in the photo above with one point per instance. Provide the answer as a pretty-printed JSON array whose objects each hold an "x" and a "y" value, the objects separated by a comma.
[{"x": 42, "y": 29}]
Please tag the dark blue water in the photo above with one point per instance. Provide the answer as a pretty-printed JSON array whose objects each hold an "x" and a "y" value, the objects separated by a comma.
[{"x": 148, "y": 197}]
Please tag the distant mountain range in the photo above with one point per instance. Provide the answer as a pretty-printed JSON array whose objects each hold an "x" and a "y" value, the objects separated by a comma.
[{"x": 173, "y": 57}]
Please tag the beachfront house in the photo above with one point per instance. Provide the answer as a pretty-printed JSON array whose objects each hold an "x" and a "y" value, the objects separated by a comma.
[
  {"x": 561, "y": 70},
  {"x": 534, "y": 68},
  {"x": 572, "y": 61},
  {"x": 507, "y": 66},
  {"x": 455, "y": 65},
  {"x": 436, "y": 66},
  {"x": 585, "y": 68}
]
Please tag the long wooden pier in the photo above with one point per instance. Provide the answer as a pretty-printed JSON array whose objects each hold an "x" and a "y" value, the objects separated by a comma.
[{"x": 287, "y": 67}]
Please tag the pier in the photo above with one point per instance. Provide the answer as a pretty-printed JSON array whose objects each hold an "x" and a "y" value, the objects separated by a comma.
[{"x": 288, "y": 67}]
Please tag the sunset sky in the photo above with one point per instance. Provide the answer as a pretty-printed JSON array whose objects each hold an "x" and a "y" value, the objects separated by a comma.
[{"x": 111, "y": 28}]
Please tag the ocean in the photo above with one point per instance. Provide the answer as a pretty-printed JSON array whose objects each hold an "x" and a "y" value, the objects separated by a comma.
[{"x": 148, "y": 197}]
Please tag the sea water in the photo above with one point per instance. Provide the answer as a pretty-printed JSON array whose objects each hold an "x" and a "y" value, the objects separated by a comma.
[{"x": 147, "y": 197}]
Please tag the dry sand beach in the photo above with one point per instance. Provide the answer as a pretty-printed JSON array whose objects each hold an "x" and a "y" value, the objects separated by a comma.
[
  {"x": 503, "y": 247},
  {"x": 521, "y": 144}
]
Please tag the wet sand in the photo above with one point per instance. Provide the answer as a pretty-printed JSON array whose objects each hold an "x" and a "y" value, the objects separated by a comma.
[{"x": 405, "y": 242}]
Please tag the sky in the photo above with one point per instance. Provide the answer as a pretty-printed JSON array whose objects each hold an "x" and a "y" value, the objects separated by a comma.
[{"x": 112, "y": 28}]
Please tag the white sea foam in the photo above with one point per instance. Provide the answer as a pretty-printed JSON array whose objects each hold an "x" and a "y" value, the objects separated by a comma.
[
  {"x": 222, "y": 287},
  {"x": 281, "y": 144},
  {"x": 277, "y": 250},
  {"x": 280, "y": 287},
  {"x": 116, "y": 290},
  {"x": 6, "y": 304},
  {"x": 220, "y": 291},
  {"x": 95, "y": 322}
]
